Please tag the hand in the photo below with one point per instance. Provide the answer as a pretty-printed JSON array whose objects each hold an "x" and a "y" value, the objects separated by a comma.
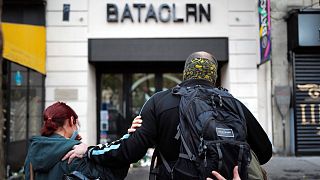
[
  {"x": 219, "y": 177},
  {"x": 136, "y": 123},
  {"x": 77, "y": 152}
]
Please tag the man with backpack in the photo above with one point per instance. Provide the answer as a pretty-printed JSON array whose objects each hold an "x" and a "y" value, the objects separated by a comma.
[{"x": 195, "y": 129}]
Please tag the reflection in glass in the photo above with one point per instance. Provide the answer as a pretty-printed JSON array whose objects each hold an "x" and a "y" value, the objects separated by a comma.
[
  {"x": 35, "y": 103},
  {"x": 171, "y": 79},
  {"x": 128, "y": 92},
  {"x": 111, "y": 109},
  {"x": 143, "y": 87},
  {"x": 141, "y": 90}
]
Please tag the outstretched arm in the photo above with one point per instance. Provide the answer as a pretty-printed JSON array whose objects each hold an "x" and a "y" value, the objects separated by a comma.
[
  {"x": 79, "y": 150},
  {"x": 130, "y": 148}
]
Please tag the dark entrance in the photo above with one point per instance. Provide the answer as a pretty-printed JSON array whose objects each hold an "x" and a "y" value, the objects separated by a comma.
[
  {"x": 122, "y": 97},
  {"x": 130, "y": 71},
  {"x": 122, "y": 92},
  {"x": 123, "y": 88}
]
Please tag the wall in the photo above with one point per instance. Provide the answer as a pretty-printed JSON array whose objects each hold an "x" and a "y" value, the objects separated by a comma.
[
  {"x": 99, "y": 27},
  {"x": 243, "y": 52},
  {"x": 69, "y": 76}
]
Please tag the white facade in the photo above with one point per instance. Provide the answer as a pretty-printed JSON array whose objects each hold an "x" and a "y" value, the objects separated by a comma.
[{"x": 70, "y": 78}]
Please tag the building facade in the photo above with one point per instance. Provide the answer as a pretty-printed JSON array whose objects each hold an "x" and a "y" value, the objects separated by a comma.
[{"x": 105, "y": 58}]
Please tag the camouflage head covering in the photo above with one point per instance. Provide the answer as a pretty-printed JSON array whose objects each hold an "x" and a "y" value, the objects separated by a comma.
[{"x": 201, "y": 65}]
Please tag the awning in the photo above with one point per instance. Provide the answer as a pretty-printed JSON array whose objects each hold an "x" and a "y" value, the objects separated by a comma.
[
  {"x": 155, "y": 49},
  {"x": 26, "y": 45}
]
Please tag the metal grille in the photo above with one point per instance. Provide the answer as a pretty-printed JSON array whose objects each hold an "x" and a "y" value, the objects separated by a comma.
[{"x": 307, "y": 103}]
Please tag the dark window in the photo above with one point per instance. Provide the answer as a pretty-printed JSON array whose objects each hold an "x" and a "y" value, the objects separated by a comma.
[{"x": 24, "y": 104}]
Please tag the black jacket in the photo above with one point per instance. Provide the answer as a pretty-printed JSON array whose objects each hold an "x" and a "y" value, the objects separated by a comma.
[{"x": 160, "y": 116}]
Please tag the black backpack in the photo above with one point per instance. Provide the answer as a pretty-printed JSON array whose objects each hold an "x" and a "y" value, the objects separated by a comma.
[{"x": 213, "y": 134}]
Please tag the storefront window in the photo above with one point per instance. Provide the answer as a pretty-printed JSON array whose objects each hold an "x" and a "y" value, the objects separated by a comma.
[{"x": 24, "y": 104}]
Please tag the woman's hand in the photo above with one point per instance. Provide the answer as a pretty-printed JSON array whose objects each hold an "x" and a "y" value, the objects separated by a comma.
[
  {"x": 77, "y": 152},
  {"x": 219, "y": 177},
  {"x": 136, "y": 123}
]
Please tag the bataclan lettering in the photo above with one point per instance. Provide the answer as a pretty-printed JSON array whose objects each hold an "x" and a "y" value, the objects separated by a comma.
[{"x": 164, "y": 13}]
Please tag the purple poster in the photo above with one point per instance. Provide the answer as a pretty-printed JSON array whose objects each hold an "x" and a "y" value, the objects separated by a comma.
[{"x": 264, "y": 30}]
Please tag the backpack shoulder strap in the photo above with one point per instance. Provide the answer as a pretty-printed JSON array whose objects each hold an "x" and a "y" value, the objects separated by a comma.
[
  {"x": 75, "y": 175},
  {"x": 155, "y": 170}
]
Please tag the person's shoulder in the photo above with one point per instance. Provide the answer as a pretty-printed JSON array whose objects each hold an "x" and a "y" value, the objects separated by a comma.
[
  {"x": 165, "y": 98},
  {"x": 224, "y": 92},
  {"x": 161, "y": 94}
]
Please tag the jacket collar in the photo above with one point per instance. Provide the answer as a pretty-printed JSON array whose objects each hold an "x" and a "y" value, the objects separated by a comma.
[{"x": 194, "y": 82}]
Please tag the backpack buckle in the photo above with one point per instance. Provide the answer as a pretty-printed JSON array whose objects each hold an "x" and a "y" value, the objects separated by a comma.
[
  {"x": 193, "y": 158},
  {"x": 212, "y": 101},
  {"x": 220, "y": 100}
]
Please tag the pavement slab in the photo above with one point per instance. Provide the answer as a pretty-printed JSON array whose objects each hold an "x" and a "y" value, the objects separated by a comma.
[
  {"x": 293, "y": 168},
  {"x": 278, "y": 168}
]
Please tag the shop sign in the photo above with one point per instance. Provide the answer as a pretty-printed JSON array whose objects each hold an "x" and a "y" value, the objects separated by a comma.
[
  {"x": 264, "y": 30},
  {"x": 141, "y": 12},
  {"x": 311, "y": 105}
]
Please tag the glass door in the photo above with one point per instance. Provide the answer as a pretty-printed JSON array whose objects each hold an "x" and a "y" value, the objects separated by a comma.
[
  {"x": 122, "y": 97},
  {"x": 145, "y": 85},
  {"x": 111, "y": 107}
]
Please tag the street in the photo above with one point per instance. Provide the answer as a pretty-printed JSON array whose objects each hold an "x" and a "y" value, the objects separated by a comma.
[
  {"x": 278, "y": 168},
  {"x": 293, "y": 168}
]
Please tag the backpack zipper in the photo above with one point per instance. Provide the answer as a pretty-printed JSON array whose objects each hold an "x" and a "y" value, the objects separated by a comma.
[{"x": 203, "y": 150}]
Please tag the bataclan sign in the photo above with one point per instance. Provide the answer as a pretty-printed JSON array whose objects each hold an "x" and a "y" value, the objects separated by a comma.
[{"x": 163, "y": 13}]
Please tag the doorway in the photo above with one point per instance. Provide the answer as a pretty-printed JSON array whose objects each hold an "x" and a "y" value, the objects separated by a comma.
[{"x": 122, "y": 96}]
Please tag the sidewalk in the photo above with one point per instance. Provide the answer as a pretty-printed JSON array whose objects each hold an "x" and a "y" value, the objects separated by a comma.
[
  {"x": 278, "y": 168},
  {"x": 138, "y": 173},
  {"x": 293, "y": 168}
]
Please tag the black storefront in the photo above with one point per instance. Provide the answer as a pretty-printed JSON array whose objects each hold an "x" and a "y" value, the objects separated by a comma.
[
  {"x": 304, "y": 53},
  {"x": 23, "y": 83},
  {"x": 130, "y": 70}
]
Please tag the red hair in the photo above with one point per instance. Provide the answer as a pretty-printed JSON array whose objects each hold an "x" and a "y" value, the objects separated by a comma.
[{"x": 55, "y": 116}]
